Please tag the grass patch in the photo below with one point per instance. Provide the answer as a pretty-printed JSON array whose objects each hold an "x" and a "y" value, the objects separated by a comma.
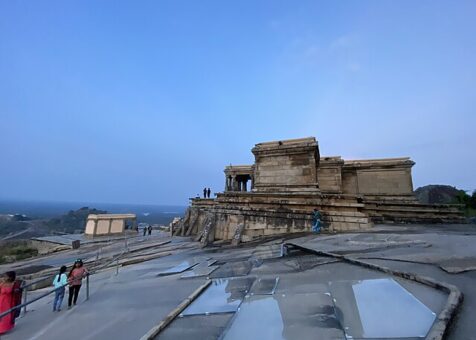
[{"x": 11, "y": 251}]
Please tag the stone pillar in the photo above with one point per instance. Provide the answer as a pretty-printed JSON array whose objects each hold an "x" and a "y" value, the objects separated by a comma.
[
  {"x": 208, "y": 232},
  {"x": 237, "y": 234}
]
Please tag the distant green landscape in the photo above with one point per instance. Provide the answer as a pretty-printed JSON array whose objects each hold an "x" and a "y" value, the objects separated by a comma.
[
  {"x": 23, "y": 227},
  {"x": 73, "y": 221}
]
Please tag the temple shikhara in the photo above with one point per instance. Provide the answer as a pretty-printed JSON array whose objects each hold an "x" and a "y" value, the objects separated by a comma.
[{"x": 289, "y": 179}]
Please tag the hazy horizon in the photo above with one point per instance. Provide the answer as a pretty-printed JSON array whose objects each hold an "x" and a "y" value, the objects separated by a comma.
[
  {"x": 3, "y": 199},
  {"x": 147, "y": 102},
  {"x": 49, "y": 209}
]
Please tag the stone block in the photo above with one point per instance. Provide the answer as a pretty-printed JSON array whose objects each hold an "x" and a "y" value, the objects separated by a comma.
[
  {"x": 117, "y": 226},
  {"x": 275, "y": 231},
  {"x": 238, "y": 234},
  {"x": 90, "y": 225},
  {"x": 102, "y": 227},
  {"x": 253, "y": 233},
  {"x": 255, "y": 226},
  {"x": 246, "y": 238}
]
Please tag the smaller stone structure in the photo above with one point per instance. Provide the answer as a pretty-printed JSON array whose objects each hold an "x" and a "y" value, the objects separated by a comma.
[
  {"x": 237, "y": 177},
  {"x": 108, "y": 224}
]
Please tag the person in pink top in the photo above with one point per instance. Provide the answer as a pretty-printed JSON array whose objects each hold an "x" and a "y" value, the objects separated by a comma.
[{"x": 75, "y": 278}]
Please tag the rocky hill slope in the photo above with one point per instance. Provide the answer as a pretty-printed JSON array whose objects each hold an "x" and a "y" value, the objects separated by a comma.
[{"x": 437, "y": 194}]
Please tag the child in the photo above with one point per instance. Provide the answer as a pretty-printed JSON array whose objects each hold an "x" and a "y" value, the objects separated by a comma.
[{"x": 60, "y": 281}]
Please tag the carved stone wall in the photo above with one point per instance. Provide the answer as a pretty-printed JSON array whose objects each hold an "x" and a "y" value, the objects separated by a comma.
[
  {"x": 329, "y": 174},
  {"x": 381, "y": 177}
]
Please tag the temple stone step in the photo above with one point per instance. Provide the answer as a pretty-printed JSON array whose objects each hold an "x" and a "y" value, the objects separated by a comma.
[{"x": 384, "y": 210}]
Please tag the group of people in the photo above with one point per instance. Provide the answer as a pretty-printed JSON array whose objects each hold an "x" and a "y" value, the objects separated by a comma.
[
  {"x": 206, "y": 192},
  {"x": 74, "y": 280},
  {"x": 11, "y": 292},
  {"x": 145, "y": 230},
  {"x": 148, "y": 230}
]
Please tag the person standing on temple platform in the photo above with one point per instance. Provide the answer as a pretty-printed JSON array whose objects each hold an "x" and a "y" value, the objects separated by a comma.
[
  {"x": 144, "y": 231},
  {"x": 208, "y": 192},
  {"x": 204, "y": 192},
  {"x": 150, "y": 230},
  {"x": 316, "y": 223}
]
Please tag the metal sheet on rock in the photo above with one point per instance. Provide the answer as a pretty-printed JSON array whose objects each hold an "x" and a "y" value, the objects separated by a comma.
[
  {"x": 178, "y": 268},
  {"x": 203, "y": 269},
  {"x": 306, "y": 316},
  {"x": 233, "y": 269},
  {"x": 222, "y": 296},
  {"x": 264, "y": 286},
  {"x": 380, "y": 308}
]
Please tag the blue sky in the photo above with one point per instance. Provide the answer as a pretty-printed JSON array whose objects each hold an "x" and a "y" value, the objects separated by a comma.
[{"x": 147, "y": 101}]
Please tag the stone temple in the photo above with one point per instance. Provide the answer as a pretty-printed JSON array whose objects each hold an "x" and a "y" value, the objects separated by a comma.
[{"x": 289, "y": 179}]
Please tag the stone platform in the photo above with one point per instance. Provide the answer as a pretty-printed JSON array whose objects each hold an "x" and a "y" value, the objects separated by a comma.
[{"x": 265, "y": 214}]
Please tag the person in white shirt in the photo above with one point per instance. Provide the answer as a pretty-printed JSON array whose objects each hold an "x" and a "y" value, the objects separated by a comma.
[{"x": 59, "y": 282}]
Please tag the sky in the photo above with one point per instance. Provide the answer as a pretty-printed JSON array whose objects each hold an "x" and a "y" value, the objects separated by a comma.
[{"x": 148, "y": 101}]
